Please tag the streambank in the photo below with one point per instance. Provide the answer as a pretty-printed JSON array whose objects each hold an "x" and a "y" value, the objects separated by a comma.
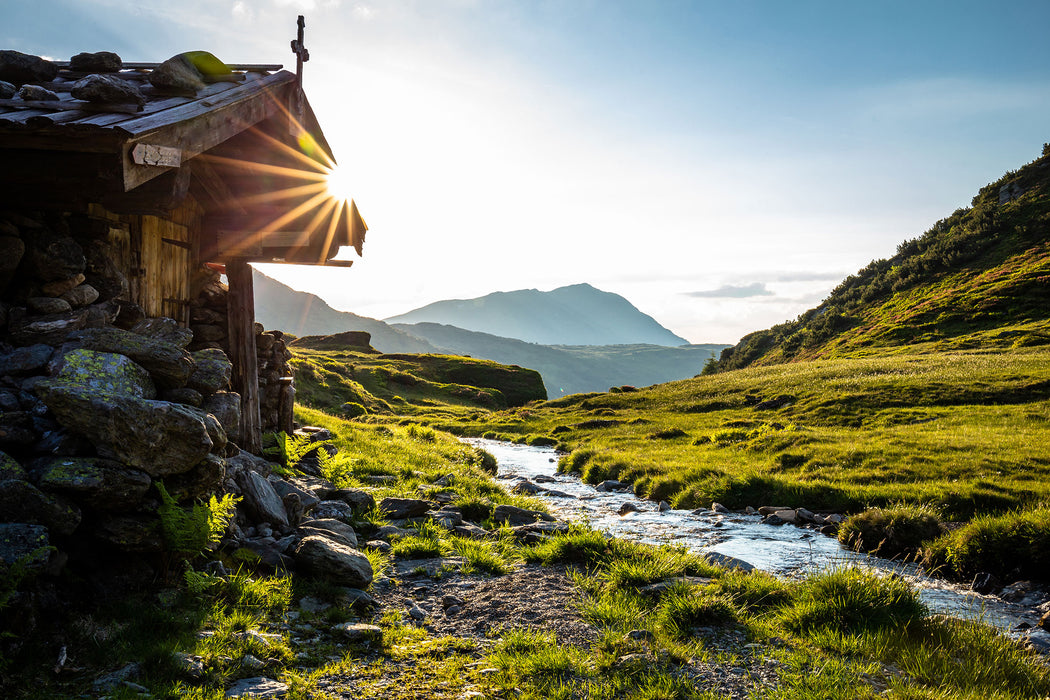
[{"x": 784, "y": 551}]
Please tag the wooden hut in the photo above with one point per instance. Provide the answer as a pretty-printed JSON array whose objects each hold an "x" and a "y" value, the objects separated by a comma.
[{"x": 228, "y": 171}]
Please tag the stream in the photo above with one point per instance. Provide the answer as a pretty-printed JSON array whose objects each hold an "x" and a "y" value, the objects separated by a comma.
[{"x": 785, "y": 551}]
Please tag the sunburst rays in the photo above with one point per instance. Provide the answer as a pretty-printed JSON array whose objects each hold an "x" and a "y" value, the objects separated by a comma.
[{"x": 302, "y": 181}]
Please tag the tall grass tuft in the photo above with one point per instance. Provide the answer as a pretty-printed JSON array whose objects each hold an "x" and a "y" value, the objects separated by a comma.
[
  {"x": 1013, "y": 544},
  {"x": 852, "y": 599},
  {"x": 686, "y": 608}
]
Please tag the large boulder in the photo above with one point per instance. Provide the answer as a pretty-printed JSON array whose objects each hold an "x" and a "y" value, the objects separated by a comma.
[
  {"x": 11, "y": 469},
  {"x": 11, "y": 251},
  {"x": 106, "y": 373},
  {"x": 102, "y": 273},
  {"x": 169, "y": 365},
  {"x": 226, "y": 407},
  {"x": 330, "y": 528},
  {"x": 334, "y": 510},
  {"x": 398, "y": 508},
  {"x": 357, "y": 499},
  {"x": 27, "y": 360},
  {"x": 325, "y": 558},
  {"x": 164, "y": 328},
  {"x": 53, "y": 257},
  {"x": 199, "y": 482},
  {"x": 212, "y": 371},
  {"x": 21, "y": 502},
  {"x": 107, "y": 89},
  {"x": 131, "y": 533},
  {"x": 512, "y": 515},
  {"x": 24, "y": 542},
  {"x": 16, "y": 429},
  {"x": 98, "y": 62},
  {"x": 261, "y": 500},
  {"x": 99, "y": 483},
  {"x": 158, "y": 437}
]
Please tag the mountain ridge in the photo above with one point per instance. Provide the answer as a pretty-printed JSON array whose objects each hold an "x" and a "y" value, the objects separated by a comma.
[
  {"x": 566, "y": 369},
  {"x": 572, "y": 369},
  {"x": 577, "y": 314}
]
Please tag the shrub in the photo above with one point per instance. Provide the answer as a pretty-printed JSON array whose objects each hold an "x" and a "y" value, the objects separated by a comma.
[
  {"x": 575, "y": 461},
  {"x": 541, "y": 441},
  {"x": 891, "y": 532},
  {"x": 1015, "y": 544},
  {"x": 667, "y": 434},
  {"x": 352, "y": 410},
  {"x": 853, "y": 600}
]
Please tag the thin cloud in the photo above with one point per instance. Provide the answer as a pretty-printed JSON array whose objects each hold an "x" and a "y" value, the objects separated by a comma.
[
  {"x": 809, "y": 277},
  {"x": 733, "y": 291}
]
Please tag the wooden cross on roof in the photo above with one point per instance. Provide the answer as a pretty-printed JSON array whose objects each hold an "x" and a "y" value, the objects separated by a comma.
[{"x": 302, "y": 55}]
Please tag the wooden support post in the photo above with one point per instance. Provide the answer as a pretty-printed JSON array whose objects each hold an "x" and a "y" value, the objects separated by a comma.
[
  {"x": 241, "y": 310},
  {"x": 286, "y": 406}
]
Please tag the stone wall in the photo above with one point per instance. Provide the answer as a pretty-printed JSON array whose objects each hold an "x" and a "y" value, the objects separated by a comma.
[{"x": 98, "y": 402}]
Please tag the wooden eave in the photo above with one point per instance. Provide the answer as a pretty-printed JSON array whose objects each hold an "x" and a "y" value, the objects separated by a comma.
[{"x": 68, "y": 153}]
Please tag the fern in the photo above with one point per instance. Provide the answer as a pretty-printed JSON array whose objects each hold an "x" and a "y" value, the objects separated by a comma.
[
  {"x": 287, "y": 449},
  {"x": 189, "y": 531}
]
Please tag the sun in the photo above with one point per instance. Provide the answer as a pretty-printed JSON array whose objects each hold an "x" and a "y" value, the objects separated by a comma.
[{"x": 337, "y": 180}]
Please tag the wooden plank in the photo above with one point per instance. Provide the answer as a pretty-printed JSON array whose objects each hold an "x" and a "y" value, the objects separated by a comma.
[
  {"x": 241, "y": 313},
  {"x": 62, "y": 105},
  {"x": 326, "y": 263},
  {"x": 131, "y": 65},
  {"x": 242, "y": 244}
]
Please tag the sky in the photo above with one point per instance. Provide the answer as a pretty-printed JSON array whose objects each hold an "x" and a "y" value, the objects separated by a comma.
[{"x": 722, "y": 165}]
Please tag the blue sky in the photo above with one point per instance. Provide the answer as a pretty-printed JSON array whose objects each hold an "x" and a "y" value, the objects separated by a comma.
[{"x": 721, "y": 164}]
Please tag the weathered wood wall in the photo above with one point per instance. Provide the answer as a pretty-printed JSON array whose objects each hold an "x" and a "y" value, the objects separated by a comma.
[{"x": 158, "y": 255}]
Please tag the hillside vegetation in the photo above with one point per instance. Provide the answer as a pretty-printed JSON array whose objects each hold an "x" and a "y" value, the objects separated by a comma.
[
  {"x": 337, "y": 375},
  {"x": 979, "y": 278},
  {"x": 965, "y": 432}
]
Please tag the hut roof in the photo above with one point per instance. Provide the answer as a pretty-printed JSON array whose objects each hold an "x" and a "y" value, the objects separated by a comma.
[{"x": 246, "y": 143}]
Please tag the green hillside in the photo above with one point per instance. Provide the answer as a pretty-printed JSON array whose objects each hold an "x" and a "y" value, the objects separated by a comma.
[
  {"x": 979, "y": 278},
  {"x": 338, "y": 375}
]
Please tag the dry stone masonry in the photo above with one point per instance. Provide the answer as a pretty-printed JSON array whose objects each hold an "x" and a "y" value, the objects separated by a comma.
[{"x": 99, "y": 405}]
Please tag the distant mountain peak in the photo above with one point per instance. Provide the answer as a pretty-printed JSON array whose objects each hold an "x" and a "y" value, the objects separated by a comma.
[{"x": 576, "y": 314}]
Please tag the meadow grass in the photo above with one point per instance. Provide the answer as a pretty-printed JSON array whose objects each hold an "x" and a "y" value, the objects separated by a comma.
[
  {"x": 966, "y": 432},
  {"x": 841, "y": 633}
]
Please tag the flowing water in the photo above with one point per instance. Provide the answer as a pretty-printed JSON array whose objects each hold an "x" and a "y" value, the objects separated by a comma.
[{"x": 785, "y": 551}]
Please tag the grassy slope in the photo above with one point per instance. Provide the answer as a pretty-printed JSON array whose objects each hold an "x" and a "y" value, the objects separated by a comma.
[
  {"x": 967, "y": 431},
  {"x": 438, "y": 385},
  {"x": 979, "y": 279},
  {"x": 842, "y": 634}
]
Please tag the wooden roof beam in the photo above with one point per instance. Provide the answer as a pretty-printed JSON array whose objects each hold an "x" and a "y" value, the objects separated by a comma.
[{"x": 197, "y": 126}]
